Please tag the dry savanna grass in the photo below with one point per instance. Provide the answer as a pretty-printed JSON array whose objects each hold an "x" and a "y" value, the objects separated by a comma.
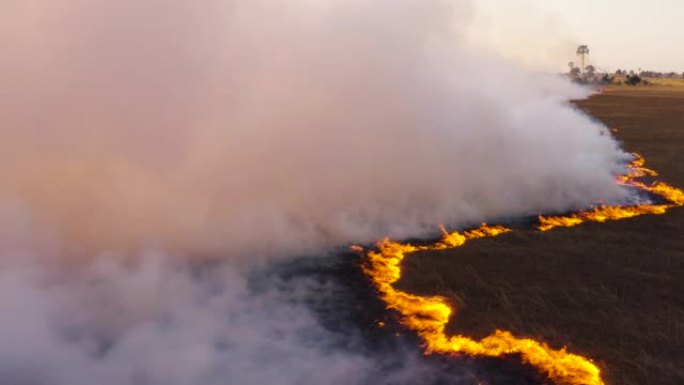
[
  {"x": 653, "y": 83},
  {"x": 613, "y": 292},
  {"x": 667, "y": 82}
]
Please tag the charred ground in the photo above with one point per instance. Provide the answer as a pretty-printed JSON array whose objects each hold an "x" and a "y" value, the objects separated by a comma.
[
  {"x": 609, "y": 291},
  {"x": 359, "y": 323}
]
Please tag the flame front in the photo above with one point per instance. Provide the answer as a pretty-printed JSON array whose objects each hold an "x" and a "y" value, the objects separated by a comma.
[
  {"x": 429, "y": 316},
  {"x": 637, "y": 169}
]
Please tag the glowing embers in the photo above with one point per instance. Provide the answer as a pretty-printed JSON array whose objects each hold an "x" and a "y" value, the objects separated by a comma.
[{"x": 428, "y": 316}]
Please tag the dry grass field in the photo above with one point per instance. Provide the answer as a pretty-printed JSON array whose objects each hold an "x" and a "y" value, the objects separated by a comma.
[
  {"x": 613, "y": 292},
  {"x": 657, "y": 82}
]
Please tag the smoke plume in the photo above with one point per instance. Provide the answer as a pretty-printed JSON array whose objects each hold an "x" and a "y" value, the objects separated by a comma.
[{"x": 142, "y": 139}]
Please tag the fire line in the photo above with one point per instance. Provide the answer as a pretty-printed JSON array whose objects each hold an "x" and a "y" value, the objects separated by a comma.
[{"x": 429, "y": 316}]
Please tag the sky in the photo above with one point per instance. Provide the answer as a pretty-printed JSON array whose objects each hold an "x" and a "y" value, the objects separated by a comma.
[{"x": 621, "y": 34}]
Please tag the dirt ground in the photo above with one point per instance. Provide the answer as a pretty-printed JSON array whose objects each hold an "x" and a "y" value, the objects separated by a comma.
[{"x": 613, "y": 292}]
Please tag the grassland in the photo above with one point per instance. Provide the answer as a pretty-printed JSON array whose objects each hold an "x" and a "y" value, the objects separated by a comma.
[
  {"x": 654, "y": 82},
  {"x": 666, "y": 82},
  {"x": 613, "y": 291}
]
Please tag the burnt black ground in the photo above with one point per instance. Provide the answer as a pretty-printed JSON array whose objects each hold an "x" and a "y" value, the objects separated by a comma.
[
  {"x": 613, "y": 292},
  {"x": 347, "y": 305}
]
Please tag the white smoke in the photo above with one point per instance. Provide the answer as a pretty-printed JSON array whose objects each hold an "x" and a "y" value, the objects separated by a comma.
[{"x": 246, "y": 131}]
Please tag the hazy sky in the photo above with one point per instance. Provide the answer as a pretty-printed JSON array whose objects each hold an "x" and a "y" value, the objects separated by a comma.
[{"x": 620, "y": 33}]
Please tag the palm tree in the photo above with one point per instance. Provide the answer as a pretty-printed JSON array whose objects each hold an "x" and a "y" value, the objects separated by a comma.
[{"x": 582, "y": 51}]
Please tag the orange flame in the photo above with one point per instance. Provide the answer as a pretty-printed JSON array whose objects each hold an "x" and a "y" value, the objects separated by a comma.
[
  {"x": 429, "y": 316},
  {"x": 637, "y": 169}
]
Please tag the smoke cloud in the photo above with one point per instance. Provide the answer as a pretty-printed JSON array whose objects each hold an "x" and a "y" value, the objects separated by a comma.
[{"x": 141, "y": 139}]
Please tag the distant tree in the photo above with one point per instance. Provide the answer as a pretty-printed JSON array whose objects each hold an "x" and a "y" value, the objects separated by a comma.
[
  {"x": 590, "y": 70},
  {"x": 618, "y": 72},
  {"x": 582, "y": 51},
  {"x": 632, "y": 79},
  {"x": 571, "y": 65},
  {"x": 651, "y": 74},
  {"x": 607, "y": 79},
  {"x": 575, "y": 72}
]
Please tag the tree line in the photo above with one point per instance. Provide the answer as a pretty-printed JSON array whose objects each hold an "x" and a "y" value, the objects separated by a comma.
[{"x": 588, "y": 74}]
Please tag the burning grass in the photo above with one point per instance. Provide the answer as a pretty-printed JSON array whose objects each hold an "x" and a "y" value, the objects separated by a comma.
[
  {"x": 429, "y": 316},
  {"x": 599, "y": 313},
  {"x": 672, "y": 195}
]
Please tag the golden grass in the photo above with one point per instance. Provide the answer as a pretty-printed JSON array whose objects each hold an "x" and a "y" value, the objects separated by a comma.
[{"x": 653, "y": 82}]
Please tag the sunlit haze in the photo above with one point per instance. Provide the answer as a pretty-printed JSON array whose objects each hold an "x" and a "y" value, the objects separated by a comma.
[{"x": 625, "y": 34}]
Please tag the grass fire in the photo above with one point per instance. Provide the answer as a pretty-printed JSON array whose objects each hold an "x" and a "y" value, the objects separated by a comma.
[
  {"x": 429, "y": 316},
  {"x": 180, "y": 183}
]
